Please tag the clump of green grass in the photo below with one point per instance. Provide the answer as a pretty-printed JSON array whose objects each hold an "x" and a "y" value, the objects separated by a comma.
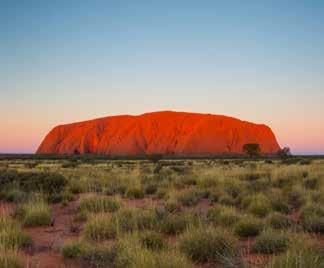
[
  {"x": 302, "y": 253},
  {"x": 152, "y": 240},
  {"x": 100, "y": 227},
  {"x": 93, "y": 254},
  {"x": 223, "y": 215},
  {"x": 296, "y": 198},
  {"x": 10, "y": 259},
  {"x": 15, "y": 195},
  {"x": 190, "y": 197},
  {"x": 11, "y": 235},
  {"x": 204, "y": 245},
  {"x": 99, "y": 255},
  {"x": 105, "y": 227},
  {"x": 227, "y": 200},
  {"x": 72, "y": 250},
  {"x": 270, "y": 242},
  {"x": 135, "y": 193},
  {"x": 279, "y": 203},
  {"x": 279, "y": 221},
  {"x": 248, "y": 226},
  {"x": 311, "y": 183},
  {"x": 76, "y": 186},
  {"x": 132, "y": 254},
  {"x": 34, "y": 213},
  {"x": 257, "y": 204},
  {"x": 233, "y": 187},
  {"x": 312, "y": 218},
  {"x": 99, "y": 204},
  {"x": 175, "y": 224}
]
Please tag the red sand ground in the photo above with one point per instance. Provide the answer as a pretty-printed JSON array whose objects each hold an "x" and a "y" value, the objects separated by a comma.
[{"x": 160, "y": 132}]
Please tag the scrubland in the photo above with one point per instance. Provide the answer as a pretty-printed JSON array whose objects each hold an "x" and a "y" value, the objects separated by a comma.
[{"x": 173, "y": 213}]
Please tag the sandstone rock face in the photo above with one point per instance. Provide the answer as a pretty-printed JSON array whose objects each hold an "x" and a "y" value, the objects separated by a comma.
[{"x": 168, "y": 133}]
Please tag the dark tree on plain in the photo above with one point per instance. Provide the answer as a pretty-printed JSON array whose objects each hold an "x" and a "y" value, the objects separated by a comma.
[
  {"x": 284, "y": 152},
  {"x": 154, "y": 157},
  {"x": 252, "y": 149}
]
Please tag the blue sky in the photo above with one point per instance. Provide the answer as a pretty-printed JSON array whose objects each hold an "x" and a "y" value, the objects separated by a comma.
[{"x": 66, "y": 61}]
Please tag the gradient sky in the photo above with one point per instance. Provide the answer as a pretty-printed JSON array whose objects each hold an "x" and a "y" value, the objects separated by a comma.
[{"x": 66, "y": 61}]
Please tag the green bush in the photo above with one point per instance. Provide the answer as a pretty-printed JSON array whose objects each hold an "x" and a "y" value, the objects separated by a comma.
[
  {"x": 312, "y": 218},
  {"x": 100, "y": 227},
  {"x": 99, "y": 204},
  {"x": 99, "y": 255},
  {"x": 72, "y": 250},
  {"x": 11, "y": 235},
  {"x": 92, "y": 254},
  {"x": 299, "y": 255},
  {"x": 257, "y": 204},
  {"x": 150, "y": 188},
  {"x": 189, "y": 197},
  {"x": 296, "y": 198},
  {"x": 34, "y": 213},
  {"x": 270, "y": 242},
  {"x": 204, "y": 245},
  {"x": 248, "y": 226},
  {"x": 10, "y": 259},
  {"x": 15, "y": 195},
  {"x": 311, "y": 183},
  {"x": 279, "y": 203},
  {"x": 175, "y": 224},
  {"x": 47, "y": 182},
  {"x": 223, "y": 215},
  {"x": 131, "y": 254},
  {"x": 134, "y": 193},
  {"x": 279, "y": 221},
  {"x": 152, "y": 240}
]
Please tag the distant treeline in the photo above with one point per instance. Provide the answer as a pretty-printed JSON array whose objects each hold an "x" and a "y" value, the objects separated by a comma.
[{"x": 89, "y": 157}]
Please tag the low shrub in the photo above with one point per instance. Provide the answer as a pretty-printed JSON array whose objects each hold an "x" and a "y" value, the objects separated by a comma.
[
  {"x": 95, "y": 255},
  {"x": 15, "y": 195},
  {"x": 312, "y": 218},
  {"x": 279, "y": 221},
  {"x": 227, "y": 200},
  {"x": 10, "y": 259},
  {"x": 72, "y": 250},
  {"x": 223, "y": 215},
  {"x": 279, "y": 203},
  {"x": 100, "y": 227},
  {"x": 311, "y": 183},
  {"x": 257, "y": 204},
  {"x": 150, "y": 188},
  {"x": 34, "y": 213},
  {"x": 99, "y": 204},
  {"x": 152, "y": 240},
  {"x": 233, "y": 187},
  {"x": 47, "y": 182},
  {"x": 248, "y": 226},
  {"x": 270, "y": 242},
  {"x": 296, "y": 198},
  {"x": 204, "y": 245},
  {"x": 299, "y": 255},
  {"x": 11, "y": 235},
  {"x": 189, "y": 197},
  {"x": 99, "y": 255},
  {"x": 134, "y": 193},
  {"x": 132, "y": 254},
  {"x": 175, "y": 224}
]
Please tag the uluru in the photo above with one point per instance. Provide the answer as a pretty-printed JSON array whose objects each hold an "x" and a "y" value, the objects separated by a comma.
[{"x": 167, "y": 133}]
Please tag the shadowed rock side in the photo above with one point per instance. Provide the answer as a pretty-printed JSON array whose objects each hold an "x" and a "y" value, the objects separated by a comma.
[{"x": 160, "y": 132}]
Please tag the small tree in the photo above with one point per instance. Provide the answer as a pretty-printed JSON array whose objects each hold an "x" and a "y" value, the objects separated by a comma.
[
  {"x": 284, "y": 152},
  {"x": 154, "y": 157},
  {"x": 252, "y": 149}
]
